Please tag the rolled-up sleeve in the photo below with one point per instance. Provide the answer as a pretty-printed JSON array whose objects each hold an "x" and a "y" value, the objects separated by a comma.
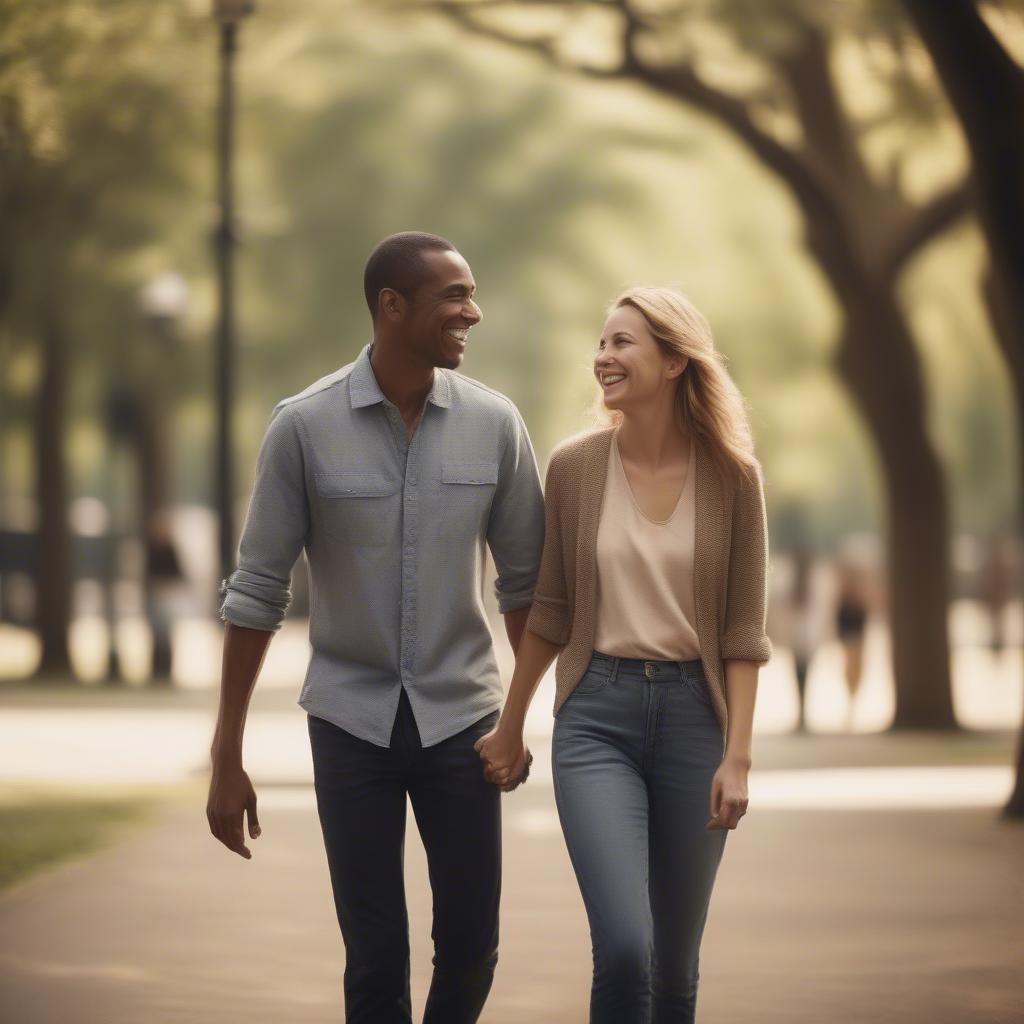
[
  {"x": 745, "y": 638},
  {"x": 515, "y": 530},
  {"x": 258, "y": 592},
  {"x": 549, "y": 617}
]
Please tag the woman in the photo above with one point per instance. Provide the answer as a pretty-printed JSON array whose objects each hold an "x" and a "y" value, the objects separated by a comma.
[{"x": 652, "y": 595}]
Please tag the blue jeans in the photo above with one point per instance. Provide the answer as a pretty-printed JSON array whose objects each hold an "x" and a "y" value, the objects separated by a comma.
[{"x": 635, "y": 748}]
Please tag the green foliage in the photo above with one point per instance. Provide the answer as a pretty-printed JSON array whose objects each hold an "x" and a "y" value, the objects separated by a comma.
[
  {"x": 354, "y": 122},
  {"x": 41, "y": 832}
]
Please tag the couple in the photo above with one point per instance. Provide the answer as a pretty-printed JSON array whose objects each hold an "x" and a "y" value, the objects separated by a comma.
[{"x": 641, "y": 568}]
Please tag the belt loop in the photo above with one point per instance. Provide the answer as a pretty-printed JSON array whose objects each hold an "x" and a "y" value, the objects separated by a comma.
[
  {"x": 615, "y": 670},
  {"x": 682, "y": 671}
]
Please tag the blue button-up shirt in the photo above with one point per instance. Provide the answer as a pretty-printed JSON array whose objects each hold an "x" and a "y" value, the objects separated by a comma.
[{"x": 394, "y": 530}]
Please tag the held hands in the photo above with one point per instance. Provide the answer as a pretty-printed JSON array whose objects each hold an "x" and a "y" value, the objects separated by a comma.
[
  {"x": 728, "y": 795},
  {"x": 505, "y": 758},
  {"x": 231, "y": 795}
]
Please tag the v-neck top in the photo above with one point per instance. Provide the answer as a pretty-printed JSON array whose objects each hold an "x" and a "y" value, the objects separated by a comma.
[{"x": 645, "y": 603}]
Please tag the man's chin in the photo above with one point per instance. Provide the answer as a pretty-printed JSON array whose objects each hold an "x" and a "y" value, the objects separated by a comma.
[{"x": 450, "y": 361}]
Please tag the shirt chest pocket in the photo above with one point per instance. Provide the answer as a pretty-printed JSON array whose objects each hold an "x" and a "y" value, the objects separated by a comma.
[
  {"x": 467, "y": 491},
  {"x": 357, "y": 507}
]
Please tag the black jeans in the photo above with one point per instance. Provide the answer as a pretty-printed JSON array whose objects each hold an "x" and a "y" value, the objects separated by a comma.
[{"x": 361, "y": 797}]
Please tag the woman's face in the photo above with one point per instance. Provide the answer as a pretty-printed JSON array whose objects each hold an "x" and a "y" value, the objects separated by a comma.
[{"x": 630, "y": 366}]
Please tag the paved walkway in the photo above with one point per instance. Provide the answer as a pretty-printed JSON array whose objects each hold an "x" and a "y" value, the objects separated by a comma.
[
  {"x": 819, "y": 916},
  {"x": 872, "y": 882}
]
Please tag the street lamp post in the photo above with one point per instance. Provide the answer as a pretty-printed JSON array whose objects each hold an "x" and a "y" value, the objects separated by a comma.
[{"x": 228, "y": 14}]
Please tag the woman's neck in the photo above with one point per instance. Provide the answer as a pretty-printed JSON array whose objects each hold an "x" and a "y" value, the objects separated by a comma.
[{"x": 653, "y": 436}]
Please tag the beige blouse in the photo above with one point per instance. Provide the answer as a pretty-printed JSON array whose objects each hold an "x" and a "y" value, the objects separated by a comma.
[
  {"x": 729, "y": 564},
  {"x": 645, "y": 605}
]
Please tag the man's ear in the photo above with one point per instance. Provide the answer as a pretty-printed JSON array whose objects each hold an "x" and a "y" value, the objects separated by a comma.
[{"x": 392, "y": 305}]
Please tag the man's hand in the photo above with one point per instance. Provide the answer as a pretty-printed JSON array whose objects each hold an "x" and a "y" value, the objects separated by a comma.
[
  {"x": 505, "y": 758},
  {"x": 231, "y": 796}
]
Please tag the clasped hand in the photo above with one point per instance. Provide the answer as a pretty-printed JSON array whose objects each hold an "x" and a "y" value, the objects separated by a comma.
[{"x": 505, "y": 758}]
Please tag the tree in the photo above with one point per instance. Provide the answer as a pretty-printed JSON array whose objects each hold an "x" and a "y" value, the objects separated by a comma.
[
  {"x": 861, "y": 227},
  {"x": 985, "y": 86},
  {"x": 92, "y": 129}
]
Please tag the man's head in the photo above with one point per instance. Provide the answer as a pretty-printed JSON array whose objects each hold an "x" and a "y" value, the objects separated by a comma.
[{"x": 420, "y": 293}]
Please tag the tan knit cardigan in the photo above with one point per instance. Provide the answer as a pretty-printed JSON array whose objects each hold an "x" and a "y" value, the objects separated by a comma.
[{"x": 729, "y": 565}]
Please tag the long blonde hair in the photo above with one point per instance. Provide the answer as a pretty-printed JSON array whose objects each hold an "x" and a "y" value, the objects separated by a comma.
[{"x": 710, "y": 406}]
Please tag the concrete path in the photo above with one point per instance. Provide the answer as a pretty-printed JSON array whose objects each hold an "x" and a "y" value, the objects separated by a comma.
[{"x": 901, "y": 916}]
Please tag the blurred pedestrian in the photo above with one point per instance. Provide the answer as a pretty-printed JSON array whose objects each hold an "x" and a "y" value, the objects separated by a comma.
[
  {"x": 796, "y": 621},
  {"x": 996, "y": 581},
  {"x": 852, "y": 606}
]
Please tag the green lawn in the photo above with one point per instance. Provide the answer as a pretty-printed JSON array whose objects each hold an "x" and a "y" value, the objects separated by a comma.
[{"x": 40, "y": 828}]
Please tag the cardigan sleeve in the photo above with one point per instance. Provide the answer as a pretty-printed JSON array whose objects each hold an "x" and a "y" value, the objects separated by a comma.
[
  {"x": 745, "y": 638},
  {"x": 549, "y": 614}
]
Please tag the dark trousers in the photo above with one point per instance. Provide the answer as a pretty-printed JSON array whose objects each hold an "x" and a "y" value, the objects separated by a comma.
[{"x": 361, "y": 797}]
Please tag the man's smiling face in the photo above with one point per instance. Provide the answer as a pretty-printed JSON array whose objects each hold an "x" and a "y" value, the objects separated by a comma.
[{"x": 440, "y": 313}]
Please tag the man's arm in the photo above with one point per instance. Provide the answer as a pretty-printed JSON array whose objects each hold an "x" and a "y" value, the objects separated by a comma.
[
  {"x": 515, "y": 531},
  {"x": 255, "y": 600},
  {"x": 231, "y": 792}
]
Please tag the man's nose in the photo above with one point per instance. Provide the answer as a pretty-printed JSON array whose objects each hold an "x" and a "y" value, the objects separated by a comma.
[{"x": 471, "y": 311}]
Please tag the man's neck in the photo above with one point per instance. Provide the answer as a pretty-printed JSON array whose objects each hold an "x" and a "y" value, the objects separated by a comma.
[{"x": 404, "y": 384}]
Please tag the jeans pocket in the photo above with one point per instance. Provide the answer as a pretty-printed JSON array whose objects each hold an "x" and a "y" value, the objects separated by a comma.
[
  {"x": 592, "y": 682},
  {"x": 698, "y": 687}
]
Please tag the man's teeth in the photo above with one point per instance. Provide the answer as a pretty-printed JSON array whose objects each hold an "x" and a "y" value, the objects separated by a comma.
[
  {"x": 459, "y": 334},
  {"x": 612, "y": 378}
]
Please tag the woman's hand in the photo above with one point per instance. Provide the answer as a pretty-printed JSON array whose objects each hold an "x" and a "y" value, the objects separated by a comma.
[
  {"x": 505, "y": 759},
  {"x": 728, "y": 795}
]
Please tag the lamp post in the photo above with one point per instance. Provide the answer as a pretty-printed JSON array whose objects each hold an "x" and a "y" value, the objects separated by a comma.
[{"x": 228, "y": 14}]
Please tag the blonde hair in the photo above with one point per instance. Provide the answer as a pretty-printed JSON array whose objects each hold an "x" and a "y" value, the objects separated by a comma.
[{"x": 710, "y": 406}]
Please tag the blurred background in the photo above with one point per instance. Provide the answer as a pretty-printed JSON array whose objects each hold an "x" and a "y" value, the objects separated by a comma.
[{"x": 188, "y": 194}]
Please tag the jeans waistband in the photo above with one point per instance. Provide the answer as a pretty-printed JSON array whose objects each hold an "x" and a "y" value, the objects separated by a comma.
[{"x": 651, "y": 668}]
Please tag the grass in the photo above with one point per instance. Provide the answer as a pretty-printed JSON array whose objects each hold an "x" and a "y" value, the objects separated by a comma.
[{"x": 42, "y": 828}]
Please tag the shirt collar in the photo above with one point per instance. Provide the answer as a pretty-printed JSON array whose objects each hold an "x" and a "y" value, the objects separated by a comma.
[{"x": 364, "y": 389}]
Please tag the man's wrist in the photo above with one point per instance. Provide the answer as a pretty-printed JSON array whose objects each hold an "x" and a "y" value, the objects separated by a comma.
[{"x": 226, "y": 757}]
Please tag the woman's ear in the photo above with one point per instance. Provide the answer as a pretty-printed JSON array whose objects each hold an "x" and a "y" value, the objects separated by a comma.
[{"x": 676, "y": 365}]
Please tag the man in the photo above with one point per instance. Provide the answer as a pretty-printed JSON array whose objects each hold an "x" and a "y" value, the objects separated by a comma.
[{"x": 392, "y": 474}]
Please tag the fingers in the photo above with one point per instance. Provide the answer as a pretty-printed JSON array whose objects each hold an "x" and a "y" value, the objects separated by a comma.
[
  {"x": 729, "y": 814},
  {"x": 483, "y": 741},
  {"x": 254, "y": 822},
  {"x": 227, "y": 808},
  {"x": 520, "y": 773},
  {"x": 227, "y": 828}
]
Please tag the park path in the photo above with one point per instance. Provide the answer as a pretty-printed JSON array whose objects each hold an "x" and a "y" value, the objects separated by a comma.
[{"x": 899, "y": 915}]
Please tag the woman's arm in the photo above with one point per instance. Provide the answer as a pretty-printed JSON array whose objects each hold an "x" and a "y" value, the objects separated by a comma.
[
  {"x": 745, "y": 647},
  {"x": 740, "y": 693},
  {"x": 729, "y": 786},
  {"x": 501, "y": 750}
]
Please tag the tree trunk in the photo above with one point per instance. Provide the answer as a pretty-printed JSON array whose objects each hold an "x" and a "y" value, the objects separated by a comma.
[
  {"x": 878, "y": 362},
  {"x": 986, "y": 89},
  {"x": 53, "y": 569}
]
